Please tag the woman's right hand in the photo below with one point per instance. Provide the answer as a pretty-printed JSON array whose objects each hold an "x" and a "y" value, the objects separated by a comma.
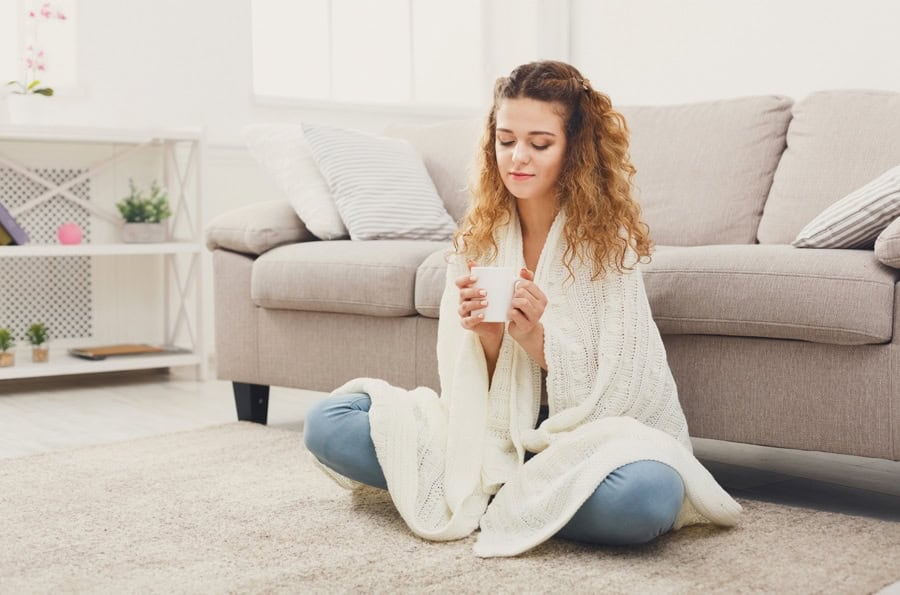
[{"x": 472, "y": 299}]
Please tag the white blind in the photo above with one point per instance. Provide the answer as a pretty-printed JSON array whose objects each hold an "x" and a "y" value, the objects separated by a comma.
[
  {"x": 426, "y": 52},
  {"x": 290, "y": 48}
]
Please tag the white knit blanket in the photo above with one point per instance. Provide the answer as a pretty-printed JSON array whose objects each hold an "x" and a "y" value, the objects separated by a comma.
[{"x": 612, "y": 401}]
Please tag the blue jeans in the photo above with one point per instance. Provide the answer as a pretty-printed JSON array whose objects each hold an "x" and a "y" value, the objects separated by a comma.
[{"x": 634, "y": 504}]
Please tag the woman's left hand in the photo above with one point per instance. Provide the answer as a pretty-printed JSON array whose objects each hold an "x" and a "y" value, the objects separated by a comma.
[{"x": 527, "y": 307}]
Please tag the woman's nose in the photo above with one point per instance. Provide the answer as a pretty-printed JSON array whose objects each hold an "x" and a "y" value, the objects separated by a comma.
[{"x": 520, "y": 154}]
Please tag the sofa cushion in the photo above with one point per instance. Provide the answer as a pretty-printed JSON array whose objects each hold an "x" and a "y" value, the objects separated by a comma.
[
  {"x": 375, "y": 278},
  {"x": 840, "y": 297},
  {"x": 449, "y": 150},
  {"x": 837, "y": 142},
  {"x": 843, "y": 297},
  {"x": 704, "y": 169}
]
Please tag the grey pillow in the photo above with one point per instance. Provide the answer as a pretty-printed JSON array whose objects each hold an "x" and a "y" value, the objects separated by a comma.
[{"x": 887, "y": 246}]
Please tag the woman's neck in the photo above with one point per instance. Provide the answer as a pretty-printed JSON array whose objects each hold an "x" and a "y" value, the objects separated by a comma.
[{"x": 536, "y": 217}]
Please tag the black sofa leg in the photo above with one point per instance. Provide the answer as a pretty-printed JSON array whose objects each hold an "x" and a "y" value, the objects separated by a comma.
[{"x": 251, "y": 401}]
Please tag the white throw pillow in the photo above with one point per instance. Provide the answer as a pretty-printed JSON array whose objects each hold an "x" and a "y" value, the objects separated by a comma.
[
  {"x": 283, "y": 153},
  {"x": 380, "y": 185},
  {"x": 855, "y": 220}
]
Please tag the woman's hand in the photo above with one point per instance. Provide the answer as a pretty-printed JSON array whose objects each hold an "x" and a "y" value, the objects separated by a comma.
[
  {"x": 471, "y": 299},
  {"x": 527, "y": 307}
]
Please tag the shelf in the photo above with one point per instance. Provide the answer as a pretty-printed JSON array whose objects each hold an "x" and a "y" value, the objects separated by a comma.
[
  {"x": 99, "y": 249},
  {"x": 97, "y": 135},
  {"x": 176, "y": 155},
  {"x": 61, "y": 364}
]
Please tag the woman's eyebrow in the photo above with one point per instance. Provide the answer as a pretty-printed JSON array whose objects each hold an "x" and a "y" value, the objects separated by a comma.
[{"x": 532, "y": 133}]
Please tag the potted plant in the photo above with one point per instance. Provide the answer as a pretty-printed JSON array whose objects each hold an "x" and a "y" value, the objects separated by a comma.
[
  {"x": 6, "y": 341},
  {"x": 144, "y": 214},
  {"x": 37, "y": 336}
]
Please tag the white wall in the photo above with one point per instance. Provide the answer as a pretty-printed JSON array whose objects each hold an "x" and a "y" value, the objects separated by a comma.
[
  {"x": 673, "y": 51},
  {"x": 170, "y": 63},
  {"x": 175, "y": 63}
]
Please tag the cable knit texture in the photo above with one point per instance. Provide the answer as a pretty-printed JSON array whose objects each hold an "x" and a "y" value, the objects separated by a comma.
[{"x": 612, "y": 401}]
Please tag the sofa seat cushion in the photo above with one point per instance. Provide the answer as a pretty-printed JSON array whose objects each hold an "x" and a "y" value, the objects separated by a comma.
[
  {"x": 842, "y": 297},
  {"x": 374, "y": 278}
]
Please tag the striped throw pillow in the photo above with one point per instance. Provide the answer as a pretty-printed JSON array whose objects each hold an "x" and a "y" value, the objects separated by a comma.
[
  {"x": 855, "y": 220},
  {"x": 380, "y": 185}
]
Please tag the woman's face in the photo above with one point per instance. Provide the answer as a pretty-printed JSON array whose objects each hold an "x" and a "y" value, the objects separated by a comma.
[{"x": 530, "y": 146}]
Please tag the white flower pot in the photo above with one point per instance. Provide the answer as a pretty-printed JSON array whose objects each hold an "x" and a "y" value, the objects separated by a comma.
[
  {"x": 143, "y": 233},
  {"x": 27, "y": 110}
]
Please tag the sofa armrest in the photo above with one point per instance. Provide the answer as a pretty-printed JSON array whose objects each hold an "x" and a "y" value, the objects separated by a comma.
[{"x": 257, "y": 228}]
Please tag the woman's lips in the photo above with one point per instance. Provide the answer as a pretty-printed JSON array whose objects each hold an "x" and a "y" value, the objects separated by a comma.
[{"x": 520, "y": 177}]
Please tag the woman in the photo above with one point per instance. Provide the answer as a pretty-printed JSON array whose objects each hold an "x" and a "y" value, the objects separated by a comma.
[{"x": 565, "y": 420}]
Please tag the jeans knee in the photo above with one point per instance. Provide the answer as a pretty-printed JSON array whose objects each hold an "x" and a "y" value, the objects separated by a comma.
[
  {"x": 323, "y": 418},
  {"x": 634, "y": 504},
  {"x": 652, "y": 498}
]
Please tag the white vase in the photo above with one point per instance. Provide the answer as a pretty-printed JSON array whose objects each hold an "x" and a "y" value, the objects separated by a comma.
[
  {"x": 144, "y": 233},
  {"x": 27, "y": 109}
]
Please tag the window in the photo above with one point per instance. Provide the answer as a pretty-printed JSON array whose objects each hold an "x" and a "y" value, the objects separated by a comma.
[
  {"x": 390, "y": 52},
  {"x": 38, "y": 41}
]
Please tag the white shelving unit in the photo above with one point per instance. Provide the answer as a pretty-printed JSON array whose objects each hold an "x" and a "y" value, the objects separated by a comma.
[{"x": 181, "y": 293}]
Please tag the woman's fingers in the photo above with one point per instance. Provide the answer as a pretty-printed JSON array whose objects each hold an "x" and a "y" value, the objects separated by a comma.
[
  {"x": 465, "y": 280},
  {"x": 470, "y": 322},
  {"x": 525, "y": 288},
  {"x": 526, "y": 306},
  {"x": 472, "y": 293},
  {"x": 467, "y": 307}
]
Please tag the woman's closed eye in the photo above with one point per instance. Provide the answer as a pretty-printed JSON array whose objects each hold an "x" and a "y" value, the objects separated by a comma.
[{"x": 511, "y": 142}]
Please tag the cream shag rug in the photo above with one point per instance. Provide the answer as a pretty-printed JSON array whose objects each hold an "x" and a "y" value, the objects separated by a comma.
[{"x": 239, "y": 508}]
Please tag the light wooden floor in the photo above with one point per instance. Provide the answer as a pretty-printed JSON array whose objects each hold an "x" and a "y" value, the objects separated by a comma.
[{"x": 38, "y": 416}]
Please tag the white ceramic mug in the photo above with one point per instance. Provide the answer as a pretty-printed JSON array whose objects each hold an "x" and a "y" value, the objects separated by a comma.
[{"x": 500, "y": 284}]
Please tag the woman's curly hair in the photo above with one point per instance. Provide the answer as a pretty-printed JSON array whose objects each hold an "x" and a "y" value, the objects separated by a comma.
[{"x": 594, "y": 184}]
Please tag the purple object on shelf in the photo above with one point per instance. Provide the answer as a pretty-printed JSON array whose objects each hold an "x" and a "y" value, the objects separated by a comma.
[{"x": 17, "y": 234}]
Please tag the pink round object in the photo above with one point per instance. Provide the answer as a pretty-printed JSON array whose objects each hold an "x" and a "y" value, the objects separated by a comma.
[{"x": 69, "y": 233}]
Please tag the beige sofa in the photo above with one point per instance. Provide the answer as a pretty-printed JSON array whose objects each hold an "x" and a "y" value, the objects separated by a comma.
[{"x": 769, "y": 344}]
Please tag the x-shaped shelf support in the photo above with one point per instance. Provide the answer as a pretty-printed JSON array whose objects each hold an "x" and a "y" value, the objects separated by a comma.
[{"x": 64, "y": 189}]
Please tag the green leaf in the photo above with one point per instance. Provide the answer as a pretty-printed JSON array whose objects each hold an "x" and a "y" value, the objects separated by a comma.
[
  {"x": 46, "y": 91},
  {"x": 33, "y": 84}
]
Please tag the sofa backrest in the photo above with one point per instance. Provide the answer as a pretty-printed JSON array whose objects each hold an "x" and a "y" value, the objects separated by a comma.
[
  {"x": 704, "y": 169},
  {"x": 837, "y": 142},
  {"x": 449, "y": 150}
]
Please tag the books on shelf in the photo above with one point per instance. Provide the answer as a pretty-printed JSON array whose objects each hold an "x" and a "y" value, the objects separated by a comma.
[
  {"x": 10, "y": 231},
  {"x": 101, "y": 352}
]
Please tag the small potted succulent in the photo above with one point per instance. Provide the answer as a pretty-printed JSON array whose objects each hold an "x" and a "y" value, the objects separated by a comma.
[
  {"x": 37, "y": 336},
  {"x": 144, "y": 214},
  {"x": 7, "y": 359}
]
